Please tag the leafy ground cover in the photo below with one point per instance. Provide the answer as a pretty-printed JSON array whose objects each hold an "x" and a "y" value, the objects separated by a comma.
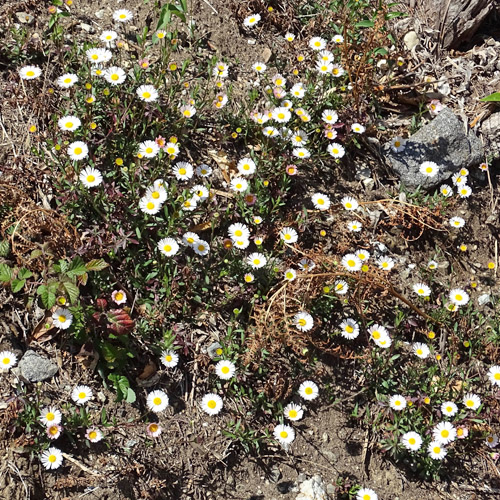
[{"x": 186, "y": 234}]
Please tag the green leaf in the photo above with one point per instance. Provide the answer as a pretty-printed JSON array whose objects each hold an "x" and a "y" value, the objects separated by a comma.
[
  {"x": 17, "y": 285},
  {"x": 131, "y": 397},
  {"x": 72, "y": 291},
  {"x": 96, "y": 265},
  {"x": 24, "y": 273},
  {"x": 76, "y": 267},
  {"x": 365, "y": 24},
  {"x": 4, "y": 248},
  {"x": 6, "y": 273},
  {"x": 392, "y": 15},
  {"x": 48, "y": 297},
  {"x": 495, "y": 97},
  {"x": 104, "y": 417},
  {"x": 380, "y": 51}
]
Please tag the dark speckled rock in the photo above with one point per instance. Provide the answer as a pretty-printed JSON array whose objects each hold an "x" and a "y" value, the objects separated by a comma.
[{"x": 444, "y": 141}]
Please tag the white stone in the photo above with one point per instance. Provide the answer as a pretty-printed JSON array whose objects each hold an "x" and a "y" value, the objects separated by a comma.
[{"x": 312, "y": 489}]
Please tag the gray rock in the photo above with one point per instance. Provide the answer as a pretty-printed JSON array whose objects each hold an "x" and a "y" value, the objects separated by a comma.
[
  {"x": 36, "y": 368},
  {"x": 444, "y": 141},
  {"x": 313, "y": 489},
  {"x": 411, "y": 40},
  {"x": 491, "y": 132}
]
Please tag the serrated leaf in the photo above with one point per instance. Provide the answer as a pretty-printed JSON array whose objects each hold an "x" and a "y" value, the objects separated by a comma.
[
  {"x": 76, "y": 267},
  {"x": 120, "y": 322},
  {"x": 17, "y": 285},
  {"x": 24, "y": 273},
  {"x": 96, "y": 265},
  {"x": 72, "y": 291},
  {"x": 47, "y": 297},
  {"x": 6, "y": 273},
  {"x": 4, "y": 248}
]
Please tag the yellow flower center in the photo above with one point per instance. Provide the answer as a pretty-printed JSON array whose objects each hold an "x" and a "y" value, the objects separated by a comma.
[
  {"x": 92, "y": 434},
  {"x": 30, "y": 73},
  {"x": 436, "y": 449},
  {"x": 458, "y": 297},
  {"x": 187, "y": 112},
  {"x": 82, "y": 395},
  {"x": 182, "y": 171},
  {"x": 469, "y": 403},
  {"x": 150, "y": 205},
  {"x": 122, "y": 16},
  {"x": 90, "y": 178},
  {"x": 351, "y": 263},
  {"x": 412, "y": 441},
  {"x": 397, "y": 144},
  {"x": 349, "y": 329},
  {"x": 376, "y": 335},
  {"x": 153, "y": 427},
  {"x": 289, "y": 275},
  {"x": 149, "y": 150},
  {"x": 497, "y": 376},
  {"x": 52, "y": 458},
  {"x": 419, "y": 351},
  {"x": 308, "y": 391},
  {"x": 225, "y": 369},
  {"x": 292, "y": 413},
  {"x": 61, "y": 318},
  {"x": 445, "y": 433},
  {"x": 167, "y": 248},
  {"x": 78, "y": 151},
  {"x": 284, "y": 434},
  {"x": 302, "y": 322},
  {"x": 119, "y": 296},
  {"x": 67, "y": 80},
  {"x": 157, "y": 401},
  {"x": 50, "y": 416},
  {"x": 335, "y": 151},
  {"x": 155, "y": 195},
  {"x": 212, "y": 404},
  {"x": 114, "y": 77}
]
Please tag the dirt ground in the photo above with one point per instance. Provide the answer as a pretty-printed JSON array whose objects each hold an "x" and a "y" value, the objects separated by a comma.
[{"x": 193, "y": 459}]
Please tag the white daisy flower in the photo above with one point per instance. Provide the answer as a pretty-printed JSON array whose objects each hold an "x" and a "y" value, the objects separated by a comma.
[
  {"x": 183, "y": 170},
  {"x": 78, "y": 150},
  {"x": 50, "y": 415},
  {"x": 289, "y": 37},
  {"x": 459, "y": 297},
  {"x": 329, "y": 116},
  {"x": 246, "y": 166},
  {"x": 444, "y": 433},
  {"x": 81, "y": 394},
  {"x": 293, "y": 412},
  {"x": 349, "y": 329},
  {"x": 7, "y": 360},
  {"x": 354, "y": 226},
  {"x": 238, "y": 230},
  {"x": 147, "y": 93},
  {"x": 90, "y": 177},
  {"x": 363, "y": 255},
  {"x": 301, "y": 153},
  {"x": 157, "y": 192},
  {"x": 281, "y": 114},
  {"x": 62, "y": 318},
  {"x": 200, "y": 191},
  {"x": 366, "y": 493},
  {"x": 251, "y": 20},
  {"x": 472, "y": 401},
  {"x": 458, "y": 179},
  {"x": 341, "y": 287},
  {"x": 256, "y": 260},
  {"x": 168, "y": 246},
  {"x": 270, "y": 131},
  {"x": 317, "y": 43},
  {"x": 149, "y": 205},
  {"x": 338, "y": 39},
  {"x": 492, "y": 440},
  {"x": 429, "y": 169},
  {"x": 240, "y": 243},
  {"x": 94, "y": 435},
  {"x": 411, "y": 441},
  {"x": 378, "y": 332},
  {"x": 464, "y": 191},
  {"x": 349, "y": 203},
  {"x": 351, "y": 262},
  {"x": 298, "y": 90},
  {"x": 303, "y": 321},
  {"x": 188, "y": 111},
  {"x": 421, "y": 289},
  {"x": 457, "y": 222},
  {"x": 384, "y": 342},
  {"x": 108, "y": 36},
  {"x": 148, "y": 149},
  {"x": 172, "y": 149},
  {"x": 432, "y": 264},
  {"x": 190, "y": 238},
  {"x": 169, "y": 358},
  {"x": 211, "y": 404},
  {"x": 290, "y": 274},
  {"x": 225, "y": 369},
  {"x": 220, "y": 69},
  {"x": 114, "y": 75},
  {"x": 308, "y": 390},
  {"x": 51, "y": 458},
  {"x": 337, "y": 70},
  {"x": 67, "y": 80},
  {"x": 259, "y": 67},
  {"x": 203, "y": 170},
  {"x": 385, "y": 263},
  {"x": 306, "y": 264},
  {"x": 299, "y": 137},
  {"x": 357, "y": 128},
  {"x": 494, "y": 375},
  {"x": 449, "y": 408},
  {"x": 446, "y": 190},
  {"x": 325, "y": 56},
  {"x": 69, "y": 123},
  {"x": 323, "y": 68},
  {"x": 284, "y": 434},
  {"x": 398, "y": 144},
  {"x": 436, "y": 450},
  {"x": 30, "y": 72},
  {"x": 397, "y": 402},
  {"x": 122, "y": 15},
  {"x": 201, "y": 247},
  {"x": 336, "y": 150},
  {"x": 239, "y": 184},
  {"x": 320, "y": 201},
  {"x": 153, "y": 429},
  {"x": 157, "y": 401},
  {"x": 289, "y": 235},
  {"x": 420, "y": 350},
  {"x": 98, "y": 56}
]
